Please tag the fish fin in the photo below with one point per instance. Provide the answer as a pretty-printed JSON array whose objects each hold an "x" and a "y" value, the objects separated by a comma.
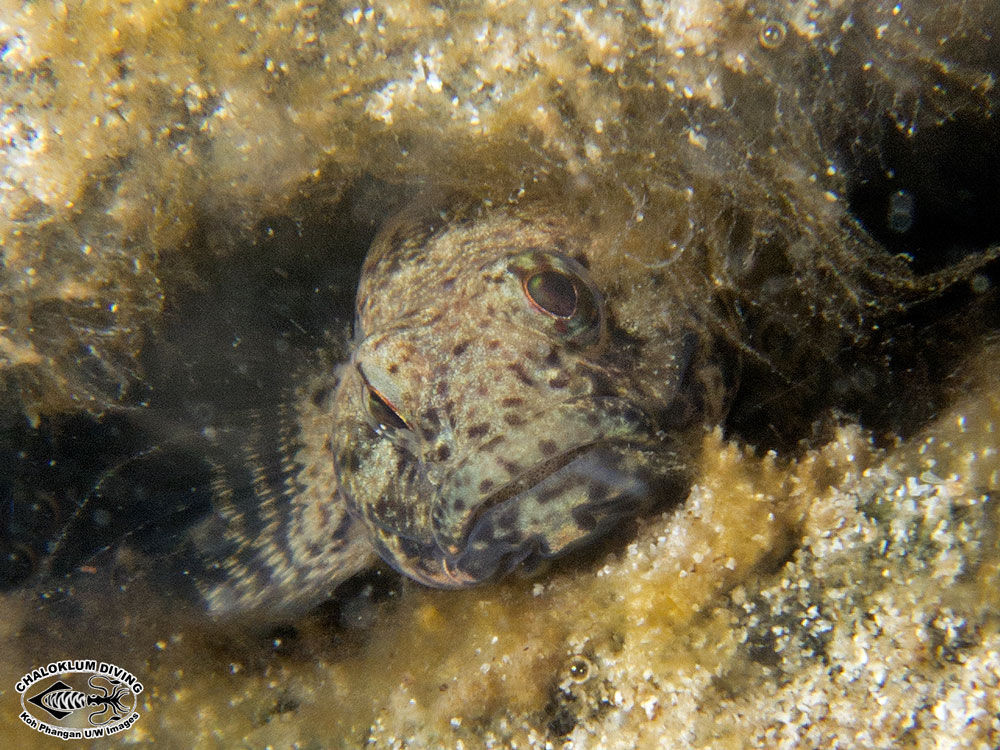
[
  {"x": 232, "y": 521},
  {"x": 279, "y": 537},
  {"x": 147, "y": 499}
]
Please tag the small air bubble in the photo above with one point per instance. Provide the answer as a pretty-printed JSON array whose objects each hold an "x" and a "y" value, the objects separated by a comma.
[
  {"x": 579, "y": 669},
  {"x": 772, "y": 34},
  {"x": 980, "y": 283},
  {"x": 899, "y": 215}
]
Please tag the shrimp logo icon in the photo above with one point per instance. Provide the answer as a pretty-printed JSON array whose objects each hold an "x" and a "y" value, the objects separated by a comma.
[{"x": 79, "y": 699}]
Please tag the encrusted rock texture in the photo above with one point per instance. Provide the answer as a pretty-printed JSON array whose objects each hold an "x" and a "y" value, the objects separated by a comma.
[
  {"x": 844, "y": 598},
  {"x": 138, "y": 136}
]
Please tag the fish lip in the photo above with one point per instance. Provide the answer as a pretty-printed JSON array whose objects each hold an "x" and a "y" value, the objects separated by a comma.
[
  {"x": 527, "y": 482},
  {"x": 484, "y": 554},
  {"x": 471, "y": 564},
  {"x": 515, "y": 490},
  {"x": 616, "y": 421}
]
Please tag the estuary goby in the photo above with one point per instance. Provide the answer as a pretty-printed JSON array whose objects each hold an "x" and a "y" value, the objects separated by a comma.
[
  {"x": 512, "y": 392},
  {"x": 502, "y": 404}
]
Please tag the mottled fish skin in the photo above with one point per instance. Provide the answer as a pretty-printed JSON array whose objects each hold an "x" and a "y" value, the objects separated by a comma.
[
  {"x": 280, "y": 538},
  {"x": 521, "y": 381},
  {"x": 514, "y": 390},
  {"x": 502, "y": 403}
]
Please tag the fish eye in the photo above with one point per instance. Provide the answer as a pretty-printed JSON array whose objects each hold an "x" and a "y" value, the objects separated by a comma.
[
  {"x": 559, "y": 288},
  {"x": 553, "y": 293},
  {"x": 383, "y": 411}
]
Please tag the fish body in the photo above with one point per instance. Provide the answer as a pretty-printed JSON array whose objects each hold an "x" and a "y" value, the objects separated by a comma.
[
  {"x": 498, "y": 407},
  {"x": 505, "y": 400},
  {"x": 521, "y": 381}
]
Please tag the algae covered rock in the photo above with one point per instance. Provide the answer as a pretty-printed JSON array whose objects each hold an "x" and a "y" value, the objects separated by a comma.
[
  {"x": 846, "y": 598},
  {"x": 139, "y": 138}
]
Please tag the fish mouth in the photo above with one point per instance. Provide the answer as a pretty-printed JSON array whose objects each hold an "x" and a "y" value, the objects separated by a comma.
[
  {"x": 517, "y": 496},
  {"x": 556, "y": 506},
  {"x": 528, "y": 481}
]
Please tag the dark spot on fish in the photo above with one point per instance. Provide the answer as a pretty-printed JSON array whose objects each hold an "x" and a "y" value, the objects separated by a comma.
[
  {"x": 492, "y": 345},
  {"x": 443, "y": 453},
  {"x": 395, "y": 259},
  {"x": 514, "y": 420},
  {"x": 633, "y": 416},
  {"x": 396, "y": 240},
  {"x": 548, "y": 494},
  {"x": 448, "y": 283},
  {"x": 602, "y": 384},
  {"x": 552, "y": 359},
  {"x": 324, "y": 515},
  {"x": 351, "y": 460},
  {"x": 548, "y": 447},
  {"x": 320, "y": 395},
  {"x": 393, "y": 368},
  {"x": 442, "y": 387},
  {"x": 507, "y": 520},
  {"x": 511, "y": 467},
  {"x": 496, "y": 279},
  {"x": 592, "y": 419},
  {"x": 612, "y": 459},
  {"x": 559, "y": 381},
  {"x": 478, "y": 430},
  {"x": 492, "y": 443},
  {"x": 411, "y": 548},
  {"x": 518, "y": 369},
  {"x": 512, "y": 401},
  {"x": 584, "y": 518},
  {"x": 597, "y": 492},
  {"x": 460, "y": 348},
  {"x": 485, "y": 486}
]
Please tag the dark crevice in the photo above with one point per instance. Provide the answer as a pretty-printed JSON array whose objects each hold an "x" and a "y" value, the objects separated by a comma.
[
  {"x": 933, "y": 195},
  {"x": 237, "y": 324}
]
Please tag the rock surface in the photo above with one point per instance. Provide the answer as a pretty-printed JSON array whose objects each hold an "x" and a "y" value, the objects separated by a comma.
[
  {"x": 138, "y": 139},
  {"x": 847, "y": 599}
]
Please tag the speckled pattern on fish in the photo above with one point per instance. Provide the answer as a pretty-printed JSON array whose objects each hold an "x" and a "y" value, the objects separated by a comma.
[{"x": 500, "y": 406}]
